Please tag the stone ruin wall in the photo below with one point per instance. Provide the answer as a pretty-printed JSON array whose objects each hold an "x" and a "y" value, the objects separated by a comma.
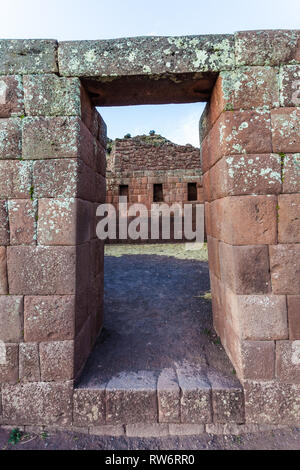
[
  {"x": 52, "y": 175},
  {"x": 142, "y": 161}
]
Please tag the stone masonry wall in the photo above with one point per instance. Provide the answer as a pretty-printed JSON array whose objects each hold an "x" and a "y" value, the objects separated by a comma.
[
  {"x": 251, "y": 166},
  {"x": 142, "y": 161},
  {"x": 52, "y": 176}
]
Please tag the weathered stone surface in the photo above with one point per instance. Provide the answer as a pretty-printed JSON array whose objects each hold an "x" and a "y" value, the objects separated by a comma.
[
  {"x": 107, "y": 430},
  {"x": 186, "y": 429},
  {"x": 29, "y": 370},
  {"x": 258, "y": 360},
  {"x": 9, "y": 368},
  {"x": 239, "y": 133},
  {"x": 4, "y": 228},
  {"x": 213, "y": 255},
  {"x": 288, "y": 361},
  {"x": 10, "y": 138},
  {"x": 11, "y": 318},
  {"x": 291, "y": 173},
  {"x": 3, "y": 271},
  {"x": 89, "y": 407},
  {"x": 246, "y": 220},
  {"x": 83, "y": 343},
  {"x": 290, "y": 86},
  {"x": 38, "y": 403},
  {"x": 50, "y": 137},
  {"x": 57, "y": 360},
  {"x": 146, "y": 56},
  {"x": 245, "y": 269},
  {"x": 245, "y": 88},
  {"x": 196, "y": 405},
  {"x": 227, "y": 398},
  {"x": 15, "y": 179},
  {"x": 25, "y": 56},
  {"x": 50, "y": 95},
  {"x": 63, "y": 221},
  {"x": 55, "y": 178},
  {"x": 289, "y": 218},
  {"x": 272, "y": 402},
  {"x": 285, "y": 268},
  {"x": 49, "y": 318},
  {"x": 11, "y": 96},
  {"x": 239, "y": 175},
  {"x": 131, "y": 398},
  {"x": 168, "y": 392},
  {"x": 285, "y": 130},
  {"x": 294, "y": 316},
  {"x": 262, "y": 317},
  {"x": 41, "y": 270},
  {"x": 22, "y": 222},
  {"x": 267, "y": 47},
  {"x": 147, "y": 430}
]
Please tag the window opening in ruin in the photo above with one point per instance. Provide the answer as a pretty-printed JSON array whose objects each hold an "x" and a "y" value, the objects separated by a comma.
[
  {"x": 192, "y": 191},
  {"x": 158, "y": 193},
  {"x": 123, "y": 190}
]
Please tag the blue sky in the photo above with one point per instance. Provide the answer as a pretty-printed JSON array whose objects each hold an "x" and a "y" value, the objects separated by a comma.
[{"x": 99, "y": 19}]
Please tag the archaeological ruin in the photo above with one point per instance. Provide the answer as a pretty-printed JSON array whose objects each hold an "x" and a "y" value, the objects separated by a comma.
[
  {"x": 152, "y": 170},
  {"x": 52, "y": 178}
]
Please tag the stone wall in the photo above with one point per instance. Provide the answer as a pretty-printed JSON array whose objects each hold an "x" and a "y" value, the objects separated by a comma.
[
  {"x": 52, "y": 176},
  {"x": 251, "y": 166},
  {"x": 141, "y": 162}
]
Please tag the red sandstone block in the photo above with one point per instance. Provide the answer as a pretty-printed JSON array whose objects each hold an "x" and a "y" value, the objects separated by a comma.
[
  {"x": 291, "y": 173},
  {"x": 288, "y": 361},
  {"x": 49, "y": 318},
  {"x": 217, "y": 304},
  {"x": 258, "y": 360},
  {"x": 63, "y": 221},
  {"x": 267, "y": 47},
  {"x": 294, "y": 316},
  {"x": 131, "y": 398},
  {"x": 289, "y": 218},
  {"x": 272, "y": 402},
  {"x": 238, "y": 133},
  {"x": 3, "y": 271},
  {"x": 245, "y": 269},
  {"x": 195, "y": 396},
  {"x": 11, "y": 318},
  {"x": 246, "y": 174},
  {"x": 9, "y": 371},
  {"x": 11, "y": 96},
  {"x": 89, "y": 407},
  {"x": 83, "y": 340},
  {"x": 102, "y": 131},
  {"x": 56, "y": 178},
  {"x": 10, "y": 138},
  {"x": 15, "y": 179},
  {"x": 22, "y": 222},
  {"x": 168, "y": 393},
  {"x": 41, "y": 270},
  {"x": 261, "y": 317},
  {"x": 285, "y": 268},
  {"x": 244, "y": 220},
  {"x": 290, "y": 86},
  {"x": 207, "y": 215},
  {"x": 4, "y": 228},
  {"x": 38, "y": 403},
  {"x": 50, "y": 95},
  {"x": 89, "y": 113},
  {"x": 213, "y": 256},
  {"x": 245, "y": 88},
  {"x": 57, "y": 360},
  {"x": 100, "y": 158},
  {"x": 29, "y": 370},
  {"x": 286, "y": 130},
  {"x": 204, "y": 154},
  {"x": 50, "y": 137}
]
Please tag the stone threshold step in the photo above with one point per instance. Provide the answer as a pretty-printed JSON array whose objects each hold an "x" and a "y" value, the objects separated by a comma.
[{"x": 185, "y": 395}]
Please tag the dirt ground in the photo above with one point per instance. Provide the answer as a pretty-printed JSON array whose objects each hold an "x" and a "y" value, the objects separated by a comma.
[{"x": 287, "y": 439}]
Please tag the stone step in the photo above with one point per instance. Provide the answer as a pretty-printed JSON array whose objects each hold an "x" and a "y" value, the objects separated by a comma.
[{"x": 181, "y": 395}]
